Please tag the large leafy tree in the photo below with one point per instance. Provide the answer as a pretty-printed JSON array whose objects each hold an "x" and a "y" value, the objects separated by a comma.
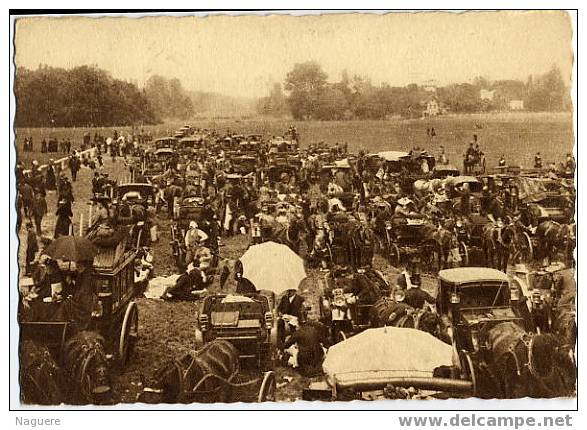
[
  {"x": 305, "y": 84},
  {"x": 83, "y": 96}
]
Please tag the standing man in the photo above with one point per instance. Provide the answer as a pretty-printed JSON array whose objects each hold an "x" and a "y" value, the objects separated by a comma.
[
  {"x": 39, "y": 210},
  {"x": 32, "y": 247}
]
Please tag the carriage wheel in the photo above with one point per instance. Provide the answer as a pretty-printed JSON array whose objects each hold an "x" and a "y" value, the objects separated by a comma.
[
  {"x": 129, "y": 333},
  {"x": 469, "y": 371},
  {"x": 464, "y": 251},
  {"x": 526, "y": 253},
  {"x": 394, "y": 255},
  {"x": 268, "y": 388},
  {"x": 340, "y": 336}
]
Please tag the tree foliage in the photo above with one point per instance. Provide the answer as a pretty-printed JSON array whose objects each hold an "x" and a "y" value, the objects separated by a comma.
[
  {"x": 82, "y": 96},
  {"x": 168, "y": 98},
  {"x": 311, "y": 96}
]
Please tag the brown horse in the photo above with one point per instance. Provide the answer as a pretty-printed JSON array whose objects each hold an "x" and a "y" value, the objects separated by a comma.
[
  {"x": 387, "y": 312},
  {"x": 195, "y": 377},
  {"x": 441, "y": 240},
  {"x": 40, "y": 378},
  {"x": 498, "y": 243},
  {"x": 522, "y": 364},
  {"x": 554, "y": 238},
  {"x": 290, "y": 234}
]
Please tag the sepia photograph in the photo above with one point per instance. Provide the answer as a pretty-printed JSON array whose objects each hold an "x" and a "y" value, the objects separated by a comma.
[{"x": 293, "y": 206}]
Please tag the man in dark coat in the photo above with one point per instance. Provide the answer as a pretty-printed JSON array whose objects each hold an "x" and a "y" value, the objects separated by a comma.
[
  {"x": 27, "y": 195},
  {"x": 182, "y": 290},
  {"x": 291, "y": 304},
  {"x": 80, "y": 304},
  {"x": 32, "y": 246},
  {"x": 64, "y": 215},
  {"x": 39, "y": 209},
  {"x": 74, "y": 166},
  {"x": 309, "y": 338},
  {"x": 416, "y": 297},
  {"x": 50, "y": 183}
]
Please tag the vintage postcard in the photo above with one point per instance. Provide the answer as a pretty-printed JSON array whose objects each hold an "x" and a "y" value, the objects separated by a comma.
[{"x": 257, "y": 207}]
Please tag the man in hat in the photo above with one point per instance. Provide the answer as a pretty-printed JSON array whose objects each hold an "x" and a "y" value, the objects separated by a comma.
[
  {"x": 416, "y": 297},
  {"x": 32, "y": 247},
  {"x": 64, "y": 215},
  {"x": 74, "y": 166},
  {"x": 50, "y": 181},
  {"x": 39, "y": 209},
  {"x": 65, "y": 190}
]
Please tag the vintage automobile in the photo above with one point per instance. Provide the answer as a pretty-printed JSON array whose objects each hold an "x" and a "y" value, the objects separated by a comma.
[
  {"x": 374, "y": 365},
  {"x": 243, "y": 164},
  {"x": 189, "y": 144},
  {"x": 442, "y": 171},
  {"x": 245, "y": 320},
  {"x": 559, "y": 208},
  {"x": 492, "y": 332},
  {"x": 280, "y": 145},
  {"x": 165, "y": 142}
]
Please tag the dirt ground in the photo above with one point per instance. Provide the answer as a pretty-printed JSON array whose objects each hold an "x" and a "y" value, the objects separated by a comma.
[{"x": 167, "y": 329}]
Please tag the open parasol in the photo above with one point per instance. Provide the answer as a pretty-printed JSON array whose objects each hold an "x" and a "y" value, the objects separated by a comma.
[
  {"x": 274, "y": 267},
  {"x": 71, "y": 248}
]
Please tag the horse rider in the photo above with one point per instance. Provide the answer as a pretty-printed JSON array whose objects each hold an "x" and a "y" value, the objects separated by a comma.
[
  {"x": 538, "y": 161},
  {"x": 502, "y": 162},
  {"x": 470, "y": 157}
]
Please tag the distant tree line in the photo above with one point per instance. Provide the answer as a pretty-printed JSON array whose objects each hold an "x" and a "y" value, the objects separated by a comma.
[
  {"x": 309, "y": 95},
  {"x": 168, "y": 98},
  {"x": 81, "y": 96}
]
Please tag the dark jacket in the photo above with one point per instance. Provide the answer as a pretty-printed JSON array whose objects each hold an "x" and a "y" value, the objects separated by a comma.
[
  {"x": 244, "y": 286},
  {"x": 294, "y": 308},
  {"x": 415, "y": 297}
]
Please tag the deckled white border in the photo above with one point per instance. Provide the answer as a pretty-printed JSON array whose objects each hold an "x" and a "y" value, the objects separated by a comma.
[{"x": 271, "y": 420}]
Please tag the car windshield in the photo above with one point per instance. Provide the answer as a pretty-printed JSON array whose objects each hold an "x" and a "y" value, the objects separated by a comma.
[{"x": 484, "y": 295}]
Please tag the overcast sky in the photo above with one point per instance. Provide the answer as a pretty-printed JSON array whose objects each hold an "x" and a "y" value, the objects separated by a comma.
[{"x": 244, "y": 55}]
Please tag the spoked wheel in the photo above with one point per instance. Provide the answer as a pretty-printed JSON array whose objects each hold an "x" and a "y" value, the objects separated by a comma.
[
  {"x": 340, "y": 336},
  {"x": 268, "y": 388},
  {"x": 464, "y": 251},
  {"x": 129, "y": 333},
  {"x": 525, "y": 252},
  {"x": 394, "y": 255},
  {"x": 469, "y": 371}
]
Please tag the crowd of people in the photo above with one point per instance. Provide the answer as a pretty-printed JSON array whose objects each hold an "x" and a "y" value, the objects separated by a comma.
[{"x": 329, "y": 205}]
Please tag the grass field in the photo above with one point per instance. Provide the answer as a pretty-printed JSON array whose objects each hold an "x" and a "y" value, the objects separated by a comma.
[{"x": 517, "y": 136}]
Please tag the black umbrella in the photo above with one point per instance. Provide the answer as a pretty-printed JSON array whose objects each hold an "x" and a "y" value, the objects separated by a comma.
[{"x": 71, "y": 248}]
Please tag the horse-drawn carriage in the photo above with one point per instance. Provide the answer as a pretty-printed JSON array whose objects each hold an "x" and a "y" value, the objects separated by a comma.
[
  {"x": 245, "y": 320},
  {"x": 409, "y": 240},
  {"x": 491, "y": 332},
  {"x": 69, "y": 360},
  {"x": 131, "y": 208}
]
